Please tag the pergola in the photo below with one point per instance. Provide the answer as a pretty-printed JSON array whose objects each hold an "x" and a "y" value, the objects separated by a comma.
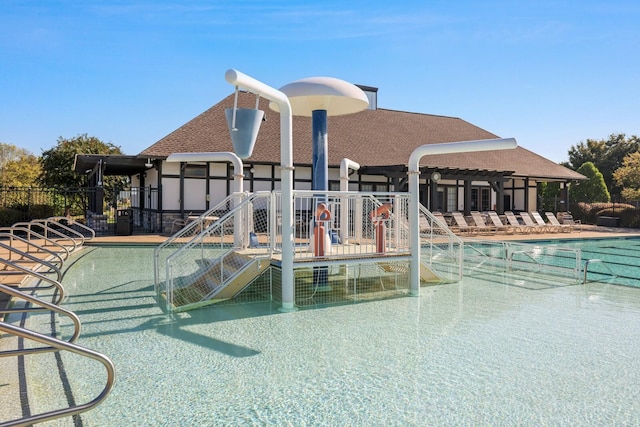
[{"x": 398, "y": 176}]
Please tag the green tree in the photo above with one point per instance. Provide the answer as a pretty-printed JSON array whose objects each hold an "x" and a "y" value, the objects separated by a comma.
[
  {"x": 57, "y": 162},
  {"x": 549, "y": 193},
  {"x": 18, "y": 167},
  {"x": 606, "y": 155},
  {"x": 594, "y": 189},
  {"x": 628, "y": 176},
  {"x": 57, "y": 166}
]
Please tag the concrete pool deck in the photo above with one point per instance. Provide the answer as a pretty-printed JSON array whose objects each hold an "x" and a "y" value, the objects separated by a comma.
[{"x": 586, "y": 232}]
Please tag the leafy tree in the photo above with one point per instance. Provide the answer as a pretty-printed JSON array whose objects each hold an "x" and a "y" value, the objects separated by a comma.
[
  {"x": 57, "y": 162},
  {"x": 606, "y": 155},
  {"x": 18, "y": 167},
  {"x": 592, "y": 190},
  {"x": 57, "y": 166},
  {"x": 628, "y": 176},
  {"x": 549, "y": 194}
]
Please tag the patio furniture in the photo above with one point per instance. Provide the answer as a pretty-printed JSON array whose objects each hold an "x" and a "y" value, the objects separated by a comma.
[
  {"x": 483, "y": 227},
  {"x": 541, "y": 222},
  {"x": 461, "y": 224},
  {"x": 529, "y": 222},
  {"x": 565, "y": 227},
  {"x": 517, "y": 227},
  {"x": 500, "y": 226}
]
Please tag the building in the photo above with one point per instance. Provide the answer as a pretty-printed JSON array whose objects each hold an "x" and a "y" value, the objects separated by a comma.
[{"x": 377, "y": 139}]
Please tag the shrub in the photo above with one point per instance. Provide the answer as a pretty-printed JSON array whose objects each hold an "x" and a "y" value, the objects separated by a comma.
[
  {"x": 9, "y": 216},
  {"x": 630, "y": 218},
  {"x": 41, "y": 211},
  {"x": 588, "y": 213}
]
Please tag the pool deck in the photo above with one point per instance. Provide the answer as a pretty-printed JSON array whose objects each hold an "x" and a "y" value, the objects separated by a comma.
[{"x": 587, "y": 232}]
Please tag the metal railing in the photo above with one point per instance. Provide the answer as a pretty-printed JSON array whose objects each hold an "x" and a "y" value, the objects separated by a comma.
[
  {"x": 54, "y": 344},
  {"x": 193, "y": 264},
  {"x": 511, "y": 257},
  {"x": 17, "y": 231},
  {"x": 440, "y": 249},
  {"x": 198, "y": 267},
  {"x": 51, "y": 256},
  {"x": 59, "y": 294},
  {"x": 39, "y": 262},
  {"x": 49, "y": 232},
  {"x": 70, "y": 224},
  {"x": 191, "y": 231},
  {"x": 51, "y": 224},
  {"x": 364, "y": 224},
  {"x": 42, "y": 306},
  {"x": 50, "y": 344},
  {"x": 599, "y": 261}
]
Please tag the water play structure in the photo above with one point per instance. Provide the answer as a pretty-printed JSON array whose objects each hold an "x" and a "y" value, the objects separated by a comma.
[{"x": 301, "y": 245}]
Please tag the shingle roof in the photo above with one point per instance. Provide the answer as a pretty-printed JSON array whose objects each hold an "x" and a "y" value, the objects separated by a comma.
[{"x": 371, "y": 138}]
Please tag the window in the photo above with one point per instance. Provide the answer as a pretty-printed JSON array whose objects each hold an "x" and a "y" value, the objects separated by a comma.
[
  {"x": 195, "y": 171},
  {"x": 481, "y": 199},
  {"x": 452, "y": 199}
]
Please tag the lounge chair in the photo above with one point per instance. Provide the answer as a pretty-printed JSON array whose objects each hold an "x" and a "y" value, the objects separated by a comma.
[
  {"x": 517, "y": 227},
  {"x": 500, "y": 226},
  {"x": 562, "y": 226},
  {"x": 444, "y": 223},
  {"x": 483, "y": 227},
  {"x": 529, "y": 222},
  {"x": 441, "y": 219},
  {"x": 541, "y": 222},
  {"x": 461, "y": 224}
]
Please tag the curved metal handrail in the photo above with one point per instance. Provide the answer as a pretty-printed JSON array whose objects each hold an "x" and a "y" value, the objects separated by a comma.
[
  {"x": 30, "y": 233},
  {"x": 59, "y": 345},
  {"x": 72, "y": 222},
  {"x": 48, "y": 230},
  {"x": 29, "y": 244},
  {"x": 597, "y": 260},
  {"x": 44, "y": 306},
  {"x": 53, "y": 283},
  {"x": 54, "y": 268},
  {"x": 48, "y": 221}
]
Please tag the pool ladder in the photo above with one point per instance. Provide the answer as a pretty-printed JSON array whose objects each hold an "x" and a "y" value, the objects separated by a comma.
[
  {"x": 51, "y": 344},
  {"x": 599, "y": 261}
]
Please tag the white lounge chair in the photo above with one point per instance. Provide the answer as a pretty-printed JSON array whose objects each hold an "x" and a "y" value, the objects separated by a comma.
[
  {"x": 478, "y": 219},
  {"x": 566, "y": 227},
  {"x": 541, "y": 222},
  {"x": 529, "y": 222},
  {"x": 517, "y": 227},
  {"x": 461, "y": 224},
  {"x": 497, "y": 222}
]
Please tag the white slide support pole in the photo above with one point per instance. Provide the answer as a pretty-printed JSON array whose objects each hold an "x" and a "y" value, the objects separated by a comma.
[
  {"x": 414, "y": 187},
  {"x": 345, "y": 165},
  {"x": 236, "y": 78},
  {"x": 238, "y": 181}
]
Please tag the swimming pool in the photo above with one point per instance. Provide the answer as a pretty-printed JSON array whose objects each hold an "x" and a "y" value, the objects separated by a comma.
[
  {"x": 618, "y": 259},
  {"x": 478, "y": 352}
]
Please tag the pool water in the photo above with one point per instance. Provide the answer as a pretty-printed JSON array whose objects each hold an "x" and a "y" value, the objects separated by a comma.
[
  {"x": 478, "y": 352},
  {"x": 612, "y": 260}
]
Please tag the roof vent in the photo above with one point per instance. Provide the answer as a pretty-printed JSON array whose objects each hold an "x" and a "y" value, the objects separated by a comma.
[{"x": 372, "y": 95}]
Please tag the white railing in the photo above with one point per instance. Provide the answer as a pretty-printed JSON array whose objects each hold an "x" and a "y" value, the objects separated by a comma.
[
  {"x": 516, "y": 257},
  {"x": 440, "y": 249},
  {"x": 329, "y": 227},
  {"x": 353, "y": 224},
  {"x": 198, "y": 266}
]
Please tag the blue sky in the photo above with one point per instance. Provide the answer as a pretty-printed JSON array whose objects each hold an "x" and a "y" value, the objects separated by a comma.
[{"x": 549, "y": 73}]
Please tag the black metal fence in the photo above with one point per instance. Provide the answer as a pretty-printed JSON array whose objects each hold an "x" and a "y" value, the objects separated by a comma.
[{"x": 97, "y": 208}]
